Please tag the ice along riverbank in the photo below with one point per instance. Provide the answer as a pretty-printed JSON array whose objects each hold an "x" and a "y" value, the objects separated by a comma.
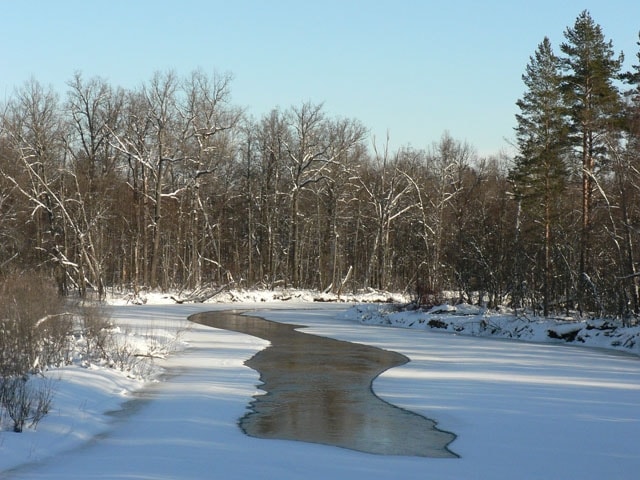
[{"x": 318, "y": 390}]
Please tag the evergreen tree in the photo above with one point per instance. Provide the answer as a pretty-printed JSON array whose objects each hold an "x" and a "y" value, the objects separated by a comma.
[
  {"x": 540, "y": 171},
  {"x": 632, "y": 107},
  {"x": 590, "y": 68},
  {"x": 628, "y": 180}
]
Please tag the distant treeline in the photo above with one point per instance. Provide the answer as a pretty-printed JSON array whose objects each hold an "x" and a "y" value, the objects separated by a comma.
[{"x": 171, "y": 186}]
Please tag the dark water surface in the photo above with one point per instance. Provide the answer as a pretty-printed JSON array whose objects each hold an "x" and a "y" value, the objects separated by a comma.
[{"x": 319, "y": 390}]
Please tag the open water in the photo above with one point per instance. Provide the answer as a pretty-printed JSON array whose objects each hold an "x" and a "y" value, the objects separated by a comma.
[{"x": 318, "y": 390}]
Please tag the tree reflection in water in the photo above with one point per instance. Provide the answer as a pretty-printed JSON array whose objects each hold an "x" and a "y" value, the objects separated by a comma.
[{"x": 319, "y": 390}]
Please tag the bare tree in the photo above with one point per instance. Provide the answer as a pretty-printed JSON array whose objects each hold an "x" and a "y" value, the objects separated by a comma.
[
  {"x": 174, "y": 140},
  {"x": 33, "y": 128},
  {"x": 310, "y": 149},
  {"x": 445, "y": 161},
  {"x": 386, "y": 190},
  {"x": 11, "y": 227},
  {"x": 272, "y": 136},
  {"x": 149, "y": 142},
  {"x": 337, "y": 196},
  {"x": 208, "y": 146},
  {"x": 95, "y": 112}
]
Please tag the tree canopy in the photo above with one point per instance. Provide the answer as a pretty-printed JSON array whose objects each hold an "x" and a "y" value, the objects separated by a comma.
[{"x": 172, "y": 186}]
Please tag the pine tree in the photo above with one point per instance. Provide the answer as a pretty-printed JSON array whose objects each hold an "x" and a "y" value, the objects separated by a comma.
[
  {"x": 632, "y": 107},
  {"x": 628, "y": 180},
  {"x": 590, "y": 68},
  {"x": 540, "y": 171}
]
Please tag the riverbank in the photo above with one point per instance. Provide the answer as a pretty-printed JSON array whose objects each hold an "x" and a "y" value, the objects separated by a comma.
[
  {"x": 520, "y": 410},
  {"x": 475, "y": 321}
]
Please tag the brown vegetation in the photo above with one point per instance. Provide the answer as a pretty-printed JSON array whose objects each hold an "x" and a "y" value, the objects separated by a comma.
[{"x": 170, "y": 186}]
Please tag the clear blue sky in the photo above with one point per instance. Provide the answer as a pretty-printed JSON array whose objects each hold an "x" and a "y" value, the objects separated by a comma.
[{"x": 412, "y": 68}]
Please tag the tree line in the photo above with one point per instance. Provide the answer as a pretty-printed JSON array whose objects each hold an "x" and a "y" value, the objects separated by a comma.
[{"x": 172, "y": 186}]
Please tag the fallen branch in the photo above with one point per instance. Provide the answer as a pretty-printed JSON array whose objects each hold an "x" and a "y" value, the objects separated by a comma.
[
  {"x": 202, "y": 294},
  {"x": 345, "y": 280}
]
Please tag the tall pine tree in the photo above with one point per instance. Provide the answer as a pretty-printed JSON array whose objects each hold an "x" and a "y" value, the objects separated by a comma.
[
  {"x": 628, "y": 181},
  {"x": 590, "y": 68},
  {"x": 540, "y": 171},
  {"x": 632, "y": 105}
]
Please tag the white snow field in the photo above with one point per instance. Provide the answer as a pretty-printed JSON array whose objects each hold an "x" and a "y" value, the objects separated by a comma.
[{"x": 520, "y": 410}]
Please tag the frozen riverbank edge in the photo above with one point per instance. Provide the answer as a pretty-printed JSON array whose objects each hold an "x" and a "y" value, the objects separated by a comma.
[
  {"x": 85, "y": 394},
  {"x": 393, "y": 310},
  {"x": 475, "y": 321}
]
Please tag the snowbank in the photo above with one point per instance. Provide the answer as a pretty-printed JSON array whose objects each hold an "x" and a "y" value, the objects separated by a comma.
[
  {"x": 93, "y": 392},
  {"x": 375, "y": 307},
  {"x": 471, "y": 320},
  {"x": 257, "y": 296}
]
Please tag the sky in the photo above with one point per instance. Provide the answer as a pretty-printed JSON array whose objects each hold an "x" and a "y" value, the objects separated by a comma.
[{"x": 407, "y": 69}]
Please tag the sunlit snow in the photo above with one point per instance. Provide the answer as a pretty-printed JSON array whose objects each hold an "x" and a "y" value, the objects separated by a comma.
[{"x": 519, "y": 409}]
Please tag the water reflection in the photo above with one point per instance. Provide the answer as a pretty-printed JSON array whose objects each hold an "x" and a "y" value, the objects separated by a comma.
[{"x": 319, "y": 390}]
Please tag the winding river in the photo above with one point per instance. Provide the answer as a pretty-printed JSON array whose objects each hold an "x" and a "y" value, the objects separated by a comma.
[{"x": 319, "y": 390}]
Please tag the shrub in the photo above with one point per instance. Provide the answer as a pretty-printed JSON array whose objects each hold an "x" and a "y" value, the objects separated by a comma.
[
  {"x": 35, "y": 333},
  {"x": 23, "y": 402},
  {"x": 95, "y": 329}
]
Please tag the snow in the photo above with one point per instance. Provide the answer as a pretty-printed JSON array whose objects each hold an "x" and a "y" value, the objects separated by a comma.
[
  {"x": 473, "y": 320},
  {"x": 529, "y": 410}
]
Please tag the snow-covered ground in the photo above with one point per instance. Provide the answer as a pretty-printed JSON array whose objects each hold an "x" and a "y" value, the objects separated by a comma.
[
  {"x": 476, "y": 321},
  {"x": 520, "y": 410}
]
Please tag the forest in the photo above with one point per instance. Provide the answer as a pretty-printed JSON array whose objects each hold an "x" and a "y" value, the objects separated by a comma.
[{"x": 171, "y": 186}]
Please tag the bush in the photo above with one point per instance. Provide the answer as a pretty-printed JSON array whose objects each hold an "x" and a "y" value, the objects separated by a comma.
[
  {"x": 35, "y": 333},
  {"x": 95, "y": 329},
  {"x": 23, "y": 402}
]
